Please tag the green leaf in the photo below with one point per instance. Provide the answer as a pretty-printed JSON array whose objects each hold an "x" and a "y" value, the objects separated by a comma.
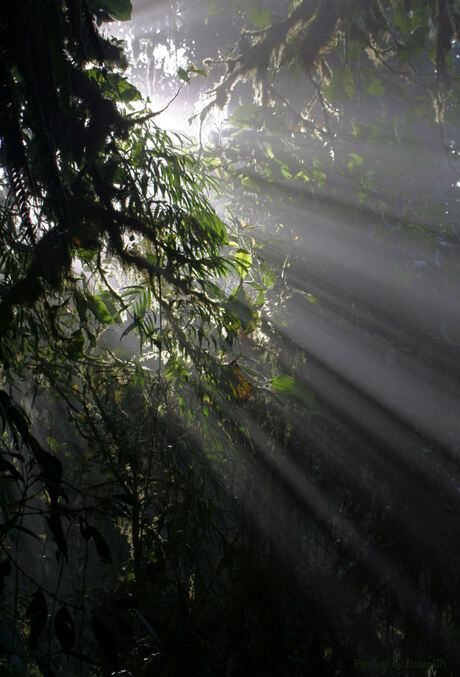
[
  {"x": 269, "y": 278},
  {"x": 243, "y": 262},
  {"x": 285, "y": 172},
  {"x": 99, "y": 309},
  {"x": 261, "y": 18},
  {"x": 86, "y": 255},
  {"x": 250, "y": 184},
  {"x": 183, "y": 75},
  {"x": 376, "y": 87},
  {"x": 355, "y": 160},
  {"x": 302, "y": 176},
  {"x": 213, "y": 162},
  {"x": 319, "y": 177},
  {"x": 125, "y": 90},
  {"x": 246, "y": 115},
  {"x": 269, "y": 151},
  {"x": 290, "y": 387},
  {"x": 112, "y": 304},
  {"x": 114, "y": 86},
  {"x": 175, "y": 370},
  {"x": 214, "y": 225},
  {"x": 117, "y": 9}
]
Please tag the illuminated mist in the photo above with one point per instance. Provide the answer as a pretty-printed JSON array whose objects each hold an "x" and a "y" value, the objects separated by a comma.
[
  {"x": 229, "y": 338},
  {"x": 364, "y": 301}
]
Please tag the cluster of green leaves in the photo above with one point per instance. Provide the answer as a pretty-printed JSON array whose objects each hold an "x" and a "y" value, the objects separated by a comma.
[{"x": 105, "y": 230}]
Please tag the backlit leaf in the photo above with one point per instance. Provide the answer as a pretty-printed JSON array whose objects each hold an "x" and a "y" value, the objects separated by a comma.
[
  {"x": 244, "y": 261},
  {"x": 290, "y": 387},
  {"x": 99, "y": 309},
  {"x": 245, "y": 115},
  {"x": 259, "y": 17},
  {"x": 117, "y": 9},
  {"x": 114, "y": 86}
]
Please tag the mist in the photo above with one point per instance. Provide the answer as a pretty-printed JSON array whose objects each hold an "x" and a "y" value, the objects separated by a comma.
[{"x": 230, "y": 378}]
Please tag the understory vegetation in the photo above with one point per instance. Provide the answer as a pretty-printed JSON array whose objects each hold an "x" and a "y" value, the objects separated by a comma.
[{"x": 229, "y": 375}]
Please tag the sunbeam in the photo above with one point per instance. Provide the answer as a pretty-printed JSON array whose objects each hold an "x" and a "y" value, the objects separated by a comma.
[{"x": 229, "y": 338}]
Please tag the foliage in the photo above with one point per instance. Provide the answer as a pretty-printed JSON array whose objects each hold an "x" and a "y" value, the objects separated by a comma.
[
  {"x": 210, "y": 463},
  {"x": 92, "y": 194},
  {"x": 341, "y": 169}
]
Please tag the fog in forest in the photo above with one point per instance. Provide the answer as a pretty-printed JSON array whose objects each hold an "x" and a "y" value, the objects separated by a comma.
[{"x": 230, "y": 410}]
